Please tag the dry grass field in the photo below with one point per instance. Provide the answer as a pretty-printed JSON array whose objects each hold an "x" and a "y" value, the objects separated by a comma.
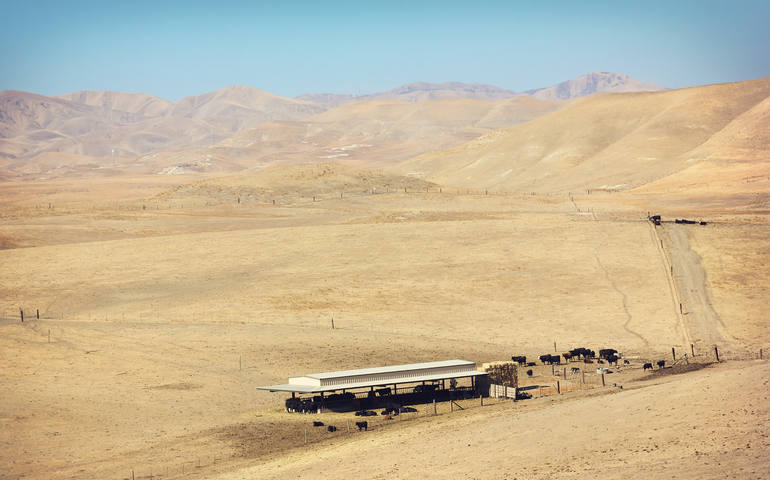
[{"x": 163, "y": 320}]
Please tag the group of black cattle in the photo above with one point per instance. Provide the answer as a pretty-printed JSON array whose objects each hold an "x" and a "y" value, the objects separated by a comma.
[
  {"x": 648, "y": 366},
  {"x": 609, "y": 355},
  {"x": 688, "y": 222},
  {"x": 331, "y": 428},
  {"x": 311, "y": 405}
]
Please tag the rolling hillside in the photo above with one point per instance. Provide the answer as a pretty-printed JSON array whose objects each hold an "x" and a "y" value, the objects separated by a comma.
[{"x": 615, "y": 142}]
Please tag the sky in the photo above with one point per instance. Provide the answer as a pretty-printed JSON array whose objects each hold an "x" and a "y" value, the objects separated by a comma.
[{"x": 172, "y": 49}]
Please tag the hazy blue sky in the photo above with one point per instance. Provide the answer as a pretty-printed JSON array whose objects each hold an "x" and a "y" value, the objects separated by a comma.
[{"x": 176, "y": 48}]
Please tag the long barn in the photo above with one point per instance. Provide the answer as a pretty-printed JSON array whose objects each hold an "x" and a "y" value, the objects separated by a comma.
[{"x": 352, "y": 385}]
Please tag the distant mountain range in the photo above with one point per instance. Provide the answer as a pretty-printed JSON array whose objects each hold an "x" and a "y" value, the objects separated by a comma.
[
  {"x": 93, "y": 127},
  {"x": 597, "y": 82}
]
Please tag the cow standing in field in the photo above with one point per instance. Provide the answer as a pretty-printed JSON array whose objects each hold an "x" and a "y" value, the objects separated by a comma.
[
  {"x": 607, "y": 352},
  {"x": 661, "y": 363},
  {"x": 362, "y": 426},
  {"x": 647, "y": 366},
  {"x": 520, "y": 359}
]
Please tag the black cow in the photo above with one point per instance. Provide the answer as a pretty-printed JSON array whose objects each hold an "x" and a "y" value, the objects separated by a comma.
[
  {"x": 520, "y": 359},
  {"x": 567, "y": 356},
  {"x": 626, "y": 362},
  {"x": 613, "y": 359},
  {"x": 549, "y": 359},
  {"x": 661, "y": 363},
  {"x": 362, "y": 426},
  {"x": 318, "y": 424},
  {"x": 606, "y": 352},
  {"x": 531, "y": 364},
  {"x": 331, "y": 428},
  {"x": 574, "y": 370},
  {"x": 647, "y": 366}
]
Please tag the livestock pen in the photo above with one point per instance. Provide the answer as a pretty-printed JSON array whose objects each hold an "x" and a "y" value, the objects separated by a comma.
[{"x": 389, "y": 387}]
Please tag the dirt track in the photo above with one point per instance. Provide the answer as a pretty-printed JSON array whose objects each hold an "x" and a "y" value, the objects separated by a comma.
[{"x": 703, "y": 324}]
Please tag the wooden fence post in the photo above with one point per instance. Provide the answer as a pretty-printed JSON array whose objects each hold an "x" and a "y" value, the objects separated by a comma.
[
  {"x": 716, "y": 351},
  {"x": 434, "y": 407},
  {"x": 37, "y": 313},
  {"x": 760, "y": 354},
  {"x": 558, "y": 387},
  {"x": 603, "y": 384},
  {"x": 673, "y": 353},
  {"x": 692, "y": 350}
]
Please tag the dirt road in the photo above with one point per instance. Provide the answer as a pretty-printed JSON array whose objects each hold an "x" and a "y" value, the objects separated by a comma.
[{"x": 703, "y": 324}]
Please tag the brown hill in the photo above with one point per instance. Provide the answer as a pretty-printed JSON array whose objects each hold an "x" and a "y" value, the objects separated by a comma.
[
  {"x": 614, "y": 141},
  {"x": 377, "y": 132},
  {"x": 596, "y": 82},
  {"x": 238, "y": 107},
  {"x": 287, "y": 184},
  {"x": 98, "y": 124},
  {"x": 136, "y": 103}
]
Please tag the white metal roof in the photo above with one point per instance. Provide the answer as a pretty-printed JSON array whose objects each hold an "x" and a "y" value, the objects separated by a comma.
[
  {"x": 341, "y": 380},
  {"x": 392, "y": 369},
  {"x": 350, "y": 386}
]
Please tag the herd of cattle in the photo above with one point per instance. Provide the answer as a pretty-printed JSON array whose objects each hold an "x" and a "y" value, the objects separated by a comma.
[
  {"x": 331, "y": 428},
  {"x": 608, "y": 355},
  {"x": 586, "y": 355}
]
